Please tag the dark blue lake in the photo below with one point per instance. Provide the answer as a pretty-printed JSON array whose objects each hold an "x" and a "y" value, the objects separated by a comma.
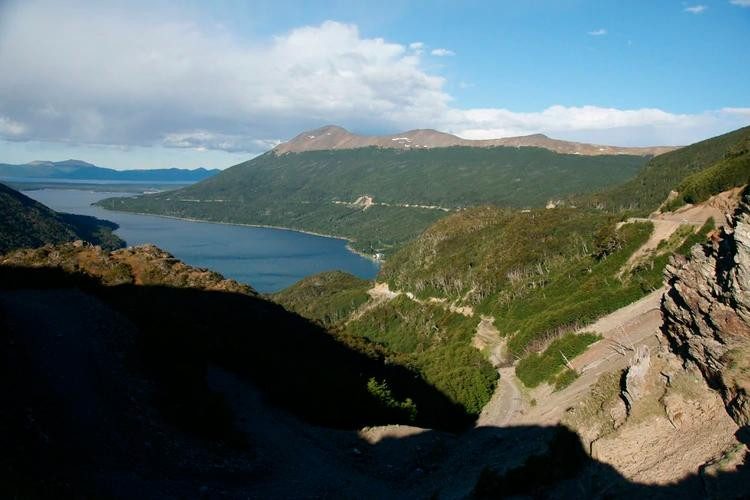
[{"x": 266, "y": 259}]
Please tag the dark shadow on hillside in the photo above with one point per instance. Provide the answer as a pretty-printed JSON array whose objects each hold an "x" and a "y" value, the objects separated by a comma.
[
  {"x": 105, "y": 394},
  {"x": 294, "y": 362},
  {"x": 94, "y": 230}
]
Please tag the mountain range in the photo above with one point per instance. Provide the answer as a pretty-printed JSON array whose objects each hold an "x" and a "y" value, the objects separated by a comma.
[
  {"x": 332, "y": 137},
  {"x": 81, "y": 170}
]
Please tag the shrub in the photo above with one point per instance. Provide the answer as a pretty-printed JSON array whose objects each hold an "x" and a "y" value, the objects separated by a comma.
[
  {"x": 383, "y": 394},
  {"x": 537, "y": 368},
  {"x": 565, "y": 378}
]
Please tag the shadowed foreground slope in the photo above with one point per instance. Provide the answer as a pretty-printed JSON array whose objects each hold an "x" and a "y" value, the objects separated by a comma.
[{"x": 134, "y": 391}]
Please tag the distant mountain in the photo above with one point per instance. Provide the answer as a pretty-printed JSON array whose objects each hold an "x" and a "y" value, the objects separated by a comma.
[
  {"x": 77, "y": 170},
  {"x": 26, "y": 223},
  {"x": 333, "y": 137}
]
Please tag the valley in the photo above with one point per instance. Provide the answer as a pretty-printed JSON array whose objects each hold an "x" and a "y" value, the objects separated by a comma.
[
  {"x": 497, "y": 338},
  {"x": 374, "y": 250}
]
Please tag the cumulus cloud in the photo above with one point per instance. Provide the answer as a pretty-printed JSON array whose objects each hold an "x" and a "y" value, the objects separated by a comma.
[
  {"x": 91, "y": 79},
  {"x": 741, "y": 3},
  {"x": 98, "y": 77},
  {"x": 599, "y": 32},
  {"x": 442, "y": 52},
  {"x": 696, "y": 9}
]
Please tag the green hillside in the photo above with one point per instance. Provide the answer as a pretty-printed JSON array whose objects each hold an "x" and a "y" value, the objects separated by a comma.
[
  {"x": 326, "y": 297},
  {"x": 667, "y": 172},
  {"x": 310, "y": 191},
  {"x": 427, "y": 339},
  {"x": 25, "y": 223},
  {"x": 540, "y": 273}
]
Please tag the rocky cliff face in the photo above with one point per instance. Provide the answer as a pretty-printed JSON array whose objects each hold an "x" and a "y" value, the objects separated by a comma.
[
  {"x": 140, "y": 265},
  {"x": 706, "y": 311}
]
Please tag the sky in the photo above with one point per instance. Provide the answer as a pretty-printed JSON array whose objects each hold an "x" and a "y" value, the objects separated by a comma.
[{"x": 152, "y": 84}]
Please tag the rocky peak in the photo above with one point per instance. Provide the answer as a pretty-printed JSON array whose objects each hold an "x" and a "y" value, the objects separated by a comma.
[{"x": 706, "y": 310}]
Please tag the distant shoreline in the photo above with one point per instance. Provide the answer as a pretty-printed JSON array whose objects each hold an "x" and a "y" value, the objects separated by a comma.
[{"x": 265, "y": 226}]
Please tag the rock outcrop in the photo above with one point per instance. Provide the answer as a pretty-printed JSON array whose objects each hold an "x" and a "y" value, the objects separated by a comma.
[
  {"x": 706, "y": 311},
  {"x": 635, "y": 376},
  {"x": 139, "y": 265}
]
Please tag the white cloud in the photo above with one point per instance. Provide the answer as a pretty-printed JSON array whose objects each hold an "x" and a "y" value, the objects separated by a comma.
[
  {"x": 417, "y": 48},
  {"x": 696, "y": 9},
  {"x": 741, "y": 3},
  {"x": 202, "y": 140},
  {"x": 442, "y": 52},
  {"x": 10, "y": 127},
  {"x": 183, "y": 86},
  {"x": 599, "y": 32},
  {"x": 737, "y": 111}
]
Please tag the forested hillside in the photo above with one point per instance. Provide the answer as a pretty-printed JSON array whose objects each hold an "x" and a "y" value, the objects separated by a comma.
[
  {"x": 380, "y": 198},
  {"x": 25, "y": 223},
  {"x": 675, "y": 171}
]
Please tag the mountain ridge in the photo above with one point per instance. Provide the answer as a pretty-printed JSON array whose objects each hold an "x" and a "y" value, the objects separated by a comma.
[
  {"x": 80, "y": 170},
  {"x": 335, "y": 137}
]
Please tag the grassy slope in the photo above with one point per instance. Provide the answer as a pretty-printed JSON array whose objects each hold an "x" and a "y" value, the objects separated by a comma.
[
  {"x": 326, "y": 297},
  {"x": 298, "y": 190},
  {"x": 25, "y": 223},
  {"x": 666, "y": 172},
  {"x": 732, "y": 171}
]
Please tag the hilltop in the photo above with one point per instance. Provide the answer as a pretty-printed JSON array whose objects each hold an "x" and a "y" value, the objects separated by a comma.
[{"x": 332, "y": 137}]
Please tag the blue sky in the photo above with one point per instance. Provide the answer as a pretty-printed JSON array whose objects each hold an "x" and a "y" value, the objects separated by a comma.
[{"x": 156, "y": 84}]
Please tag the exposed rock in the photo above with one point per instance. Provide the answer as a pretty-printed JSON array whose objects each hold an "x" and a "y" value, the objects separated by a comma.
[
  {"x": 706, "y": 311},
  {"x": 140, "y": 265},
  {"x": 635, "y": 376},
  {"x": 675, "y": 425}
]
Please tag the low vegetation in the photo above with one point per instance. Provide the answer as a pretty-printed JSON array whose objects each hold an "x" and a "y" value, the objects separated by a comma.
[
  {"x": 486, "y": 251},
  {"x": 732, "y": 171},
  {"x": 565, "y": 378},
  {"x": 540, "y": 273},
  {"x": 434, "y": 342},
  {"x": 547, "y": 366},
  {"x": 326, "y": 297}
]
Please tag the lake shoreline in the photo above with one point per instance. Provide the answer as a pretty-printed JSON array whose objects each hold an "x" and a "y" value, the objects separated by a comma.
[{"x": 265, "y": 226}]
